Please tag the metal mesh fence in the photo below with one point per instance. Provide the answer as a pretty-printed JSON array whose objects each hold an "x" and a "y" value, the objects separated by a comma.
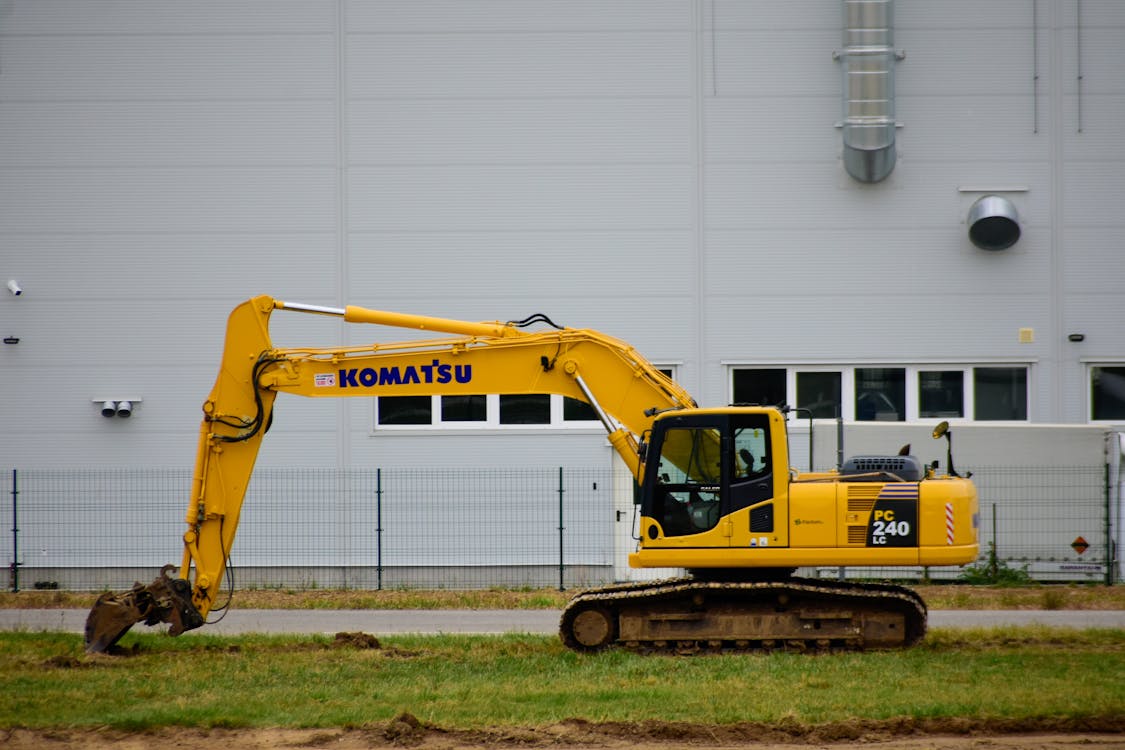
[
  {"x": 1053, "y": 518},
  {"x": 311, "y": 527},
  {"x": 97, "y": 517},
  {"x": 454, "y": 528},
  {"x": 1048, "y": 523}
]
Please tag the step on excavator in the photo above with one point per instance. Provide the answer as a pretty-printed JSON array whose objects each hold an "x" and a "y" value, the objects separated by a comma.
[{"x": 718, "y": 498}]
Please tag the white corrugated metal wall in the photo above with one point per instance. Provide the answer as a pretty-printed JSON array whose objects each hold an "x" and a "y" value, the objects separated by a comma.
[{"x": 668, "y": 172}]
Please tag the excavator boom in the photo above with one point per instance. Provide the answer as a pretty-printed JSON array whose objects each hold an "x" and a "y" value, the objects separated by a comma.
[{"x": 483, "y": 358}]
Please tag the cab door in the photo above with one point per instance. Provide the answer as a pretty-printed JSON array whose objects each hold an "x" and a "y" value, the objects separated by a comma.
[{"x": 758, "y": 500}]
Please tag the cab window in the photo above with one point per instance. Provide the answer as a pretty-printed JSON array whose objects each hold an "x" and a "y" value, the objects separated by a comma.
[
  {"x": 688, "y": 486},
  {"x": 752, "y": 462},
  {"x": 751, "y": 453},
  {"x": 691, "y": 456}
]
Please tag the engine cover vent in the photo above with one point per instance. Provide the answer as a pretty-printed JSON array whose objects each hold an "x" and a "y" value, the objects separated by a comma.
[{"x": 876, "y": 469}]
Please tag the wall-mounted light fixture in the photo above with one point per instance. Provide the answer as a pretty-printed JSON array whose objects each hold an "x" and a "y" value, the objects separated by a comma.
[
  {"x": 113, "y": 407},
  {"x": 14, "y": 287},
  {"x": 1076, "y": 337},
  {"x": 11, "y": 339}
]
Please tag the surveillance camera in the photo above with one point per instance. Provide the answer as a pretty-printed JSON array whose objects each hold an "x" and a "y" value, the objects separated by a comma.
[{"x": 14, "y": 287}]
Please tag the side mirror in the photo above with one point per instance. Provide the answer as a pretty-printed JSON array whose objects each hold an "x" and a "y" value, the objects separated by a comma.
[{"x": 942, "y": 430}]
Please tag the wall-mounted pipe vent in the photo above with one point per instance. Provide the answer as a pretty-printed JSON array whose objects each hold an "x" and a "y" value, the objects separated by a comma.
[
  {"x": 868, "y": 61},
  {"x": 994, "y": 223}
]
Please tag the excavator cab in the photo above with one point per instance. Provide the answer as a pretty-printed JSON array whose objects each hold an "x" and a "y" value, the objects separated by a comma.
[{"x": 702, "y": 469}]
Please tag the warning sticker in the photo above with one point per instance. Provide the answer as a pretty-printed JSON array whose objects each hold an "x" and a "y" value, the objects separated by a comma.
[
  {"x": 324, "y": 380},
  {"x": 1080, "y": 545}
]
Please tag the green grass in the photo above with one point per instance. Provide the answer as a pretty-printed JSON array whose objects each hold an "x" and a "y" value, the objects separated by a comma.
[
  {"x": 1037, "y": 596},
  {"x": 484, "y": 681}
]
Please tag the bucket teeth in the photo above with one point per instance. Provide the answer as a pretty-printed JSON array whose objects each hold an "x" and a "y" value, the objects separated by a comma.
[{"x": 166, "y": 599}]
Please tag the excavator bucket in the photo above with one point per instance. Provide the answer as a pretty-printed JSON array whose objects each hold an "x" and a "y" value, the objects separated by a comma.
[{"x": 166, "y": 599}]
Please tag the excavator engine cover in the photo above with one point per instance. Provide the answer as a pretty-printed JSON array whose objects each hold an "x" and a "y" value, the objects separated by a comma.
[{"x": 877, "y": 469}]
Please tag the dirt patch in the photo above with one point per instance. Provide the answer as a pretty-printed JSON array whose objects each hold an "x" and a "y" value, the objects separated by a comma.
[
  {"x": 405, "y": 730},
  {"x": 355, "y": 640}
]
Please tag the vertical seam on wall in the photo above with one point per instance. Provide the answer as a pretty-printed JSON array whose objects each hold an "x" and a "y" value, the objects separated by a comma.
[
  {"x": 343, "y": 439},
  {"x": 1057, "y": 181},
  {"x": 700, "y": 208}
]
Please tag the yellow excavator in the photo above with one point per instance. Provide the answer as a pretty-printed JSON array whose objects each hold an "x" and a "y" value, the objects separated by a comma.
[{"x": 717, "y": 496}]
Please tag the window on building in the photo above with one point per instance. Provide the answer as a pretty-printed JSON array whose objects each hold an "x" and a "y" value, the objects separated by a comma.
[
  {"x": 819, "y": 392},
  {"x": 578, "y": 411},
  {"x": 487, "y": 411},
  {"x": 531, "y": 408},
  {"x": 941, "y": 394},
  {"x": 880, "y": 394},
  {"x": 464, "y": 409},
  {"x": 764, "y": 386},
  {"x": 909, "y": 392},
  {"x": 403, "y": 410},
  {"x": 1000, "y": 393},
  {"x": 1107, "y": 392}
]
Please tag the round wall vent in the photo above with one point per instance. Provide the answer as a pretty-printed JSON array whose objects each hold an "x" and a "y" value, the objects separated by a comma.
[{"x": 993, "y": 223}]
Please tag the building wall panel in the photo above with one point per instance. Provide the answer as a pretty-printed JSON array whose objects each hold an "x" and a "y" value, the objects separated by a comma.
[
  {"x": 762, "y": 128},
  {"x": 165, "y": 68},
  {"x": 170, "y": 17},
  {"x": 802, "y": 196},
  {"x": 890, "y": 328},
  {"x": 454, "y": 17},
  {"x": 167, "y": 200},
  {"x": 532, "y": 64},
  {"x": 546, "y": 198},
  {"x": 492, "y": 265},
  {"x": 666, "y": 172},
  {"x": 145, "y": 134},
  {"x": 452, "y": 131}
]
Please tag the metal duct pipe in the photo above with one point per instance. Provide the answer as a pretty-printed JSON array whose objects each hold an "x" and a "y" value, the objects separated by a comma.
[
  {"x": 869, "y": 89},
  {"x": 994, "y": 223}
]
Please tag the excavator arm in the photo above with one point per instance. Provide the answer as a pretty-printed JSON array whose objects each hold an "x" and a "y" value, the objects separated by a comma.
[{"x": 624, "y": 389}]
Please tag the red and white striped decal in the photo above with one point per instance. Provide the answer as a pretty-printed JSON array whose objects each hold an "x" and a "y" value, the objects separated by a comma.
[{"x": 949, "y": 523}]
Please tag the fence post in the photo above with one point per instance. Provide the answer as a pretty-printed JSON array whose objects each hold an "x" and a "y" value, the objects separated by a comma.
[
  {"x": 561, "y": 527},
  {"x": 994, "y": 554},
  {"x": 15, "y": 571},
  {"x": 379, "y": 529},
  {"x": 1109, "y": 556}
]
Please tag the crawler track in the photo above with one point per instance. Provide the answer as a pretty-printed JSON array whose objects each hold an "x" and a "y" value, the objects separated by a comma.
[{"x": 687, "y": 616}]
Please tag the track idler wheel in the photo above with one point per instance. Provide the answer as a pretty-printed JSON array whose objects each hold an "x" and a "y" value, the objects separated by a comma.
[{"x": 589, "y": 628}]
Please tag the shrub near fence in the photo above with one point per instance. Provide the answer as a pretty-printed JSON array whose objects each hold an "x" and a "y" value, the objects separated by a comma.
[{"x": 456, "y": 528}]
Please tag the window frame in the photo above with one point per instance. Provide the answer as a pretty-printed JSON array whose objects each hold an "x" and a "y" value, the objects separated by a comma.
[
  {"x": 492, "y": 416},
  {"x": 1090, "y": 365},
  {"x": 847, "y": 373}
]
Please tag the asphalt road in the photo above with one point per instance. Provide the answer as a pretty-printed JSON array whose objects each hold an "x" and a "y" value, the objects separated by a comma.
[{"x": 539, "y": 621}]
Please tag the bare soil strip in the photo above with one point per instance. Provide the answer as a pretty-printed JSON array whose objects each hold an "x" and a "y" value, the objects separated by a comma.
[{"x": 407, "y": 731}]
